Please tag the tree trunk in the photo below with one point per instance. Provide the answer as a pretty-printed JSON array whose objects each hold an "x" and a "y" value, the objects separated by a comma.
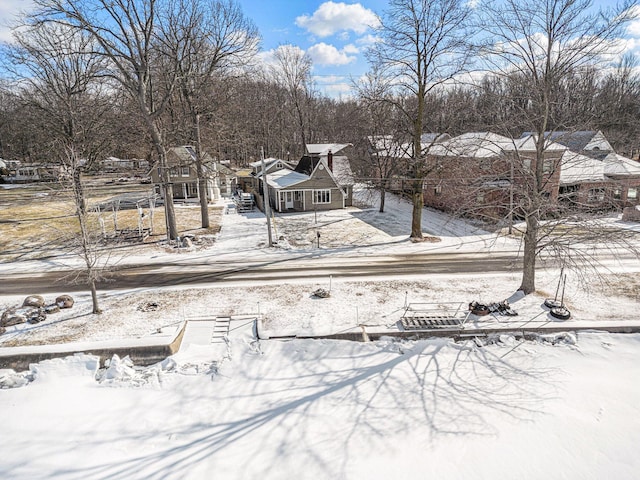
[
  {"x": 166, "y": 185},
  {"x": 202, "y": 181},
  {"x": 416, "y": 218},
  {"x": 87, "y": 254},
  {"x": 382, "y": 197},
  {"x": 528, "y": 284}
]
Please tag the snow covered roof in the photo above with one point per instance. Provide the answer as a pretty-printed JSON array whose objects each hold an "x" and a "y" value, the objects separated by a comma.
[
  {"x": 474, "y": 144},
  {"x": 286, "y": 178},
  {"x": 527, "y": 143},
  {"x": 579, "y": 141},
  {"x": 342, "y": 171},
  {"x": 323, "y": 148},
  {"x": 618, "y": 166},
  {"x": 576, "y": 168}
]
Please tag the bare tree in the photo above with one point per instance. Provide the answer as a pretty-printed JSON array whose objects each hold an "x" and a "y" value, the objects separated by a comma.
[
  {"x": 539, "y": 44},
  {"x": 126, "y": 35},
  {"x": 384, "y": 146},
  {"x": 425, "y": 45},
  {"x": 206, "y": 38},
  {"x": 62, "y": 78},
  {"x": 292, "y": 70}
]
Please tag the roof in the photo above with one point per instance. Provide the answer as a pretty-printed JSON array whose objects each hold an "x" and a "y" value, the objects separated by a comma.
[
  {"x": 342, "y": 171},
  {"x": 187, "y": 154},
  {"x": 323, "y": 148},
  {"x": 434, "y": 137},
  {"x": 286, "y": 178},
  {"x": 474, "y": 144},
  {"x": 618, "y": 166},
  {"x": 578, "y": 141},
  {"x": 577, "y": 168}
]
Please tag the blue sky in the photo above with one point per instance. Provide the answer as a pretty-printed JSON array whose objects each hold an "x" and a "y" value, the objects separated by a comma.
[{"x": 334, "y": 33}]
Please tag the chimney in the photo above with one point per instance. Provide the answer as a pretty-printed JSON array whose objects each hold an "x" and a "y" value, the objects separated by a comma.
[{"x": 330, "y": 160}]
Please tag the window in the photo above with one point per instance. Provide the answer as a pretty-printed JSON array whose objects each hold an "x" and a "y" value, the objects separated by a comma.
[
  {"x": 526, "y": 164},
  {"x": 185, "y": 171},
  {"x": 438, "y": 190},
  {"x": 632, "y": 194},
  {"x": 480, "y": 197},
  {"x": 297, "y": 196},
  {"x": 547, "y": 166},
  {"x": 596, "y": 194},
  {"x": 322, "y": 196},
  {"x": 617, "y": 194}
]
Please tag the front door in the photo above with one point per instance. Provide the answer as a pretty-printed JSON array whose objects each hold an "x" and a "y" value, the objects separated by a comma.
[{"x": 288, "y": 201}]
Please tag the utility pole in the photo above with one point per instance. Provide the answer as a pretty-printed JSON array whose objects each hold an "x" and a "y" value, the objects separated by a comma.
[{"x": 265, "y": 197}]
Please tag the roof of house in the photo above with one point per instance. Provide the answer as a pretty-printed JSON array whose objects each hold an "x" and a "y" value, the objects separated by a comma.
[
  {"x": 618, "y": 166},
  {"x": 324, "y": 148},
  {"x": 474, "y": 144},
  {"x": 577, "y": 141},
  {"x": 285, "y": 178},
  {"x": 268, "y": 162},
  {"x": 187, "y": 154},
  {"x": 341, "y": 168},
  {"x": 577, "y": 168},
  {"x": 426, "y": 138}
]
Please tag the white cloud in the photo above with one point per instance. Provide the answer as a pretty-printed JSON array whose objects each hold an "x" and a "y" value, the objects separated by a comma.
[
  {"x": 368, "y": 40},
  {"x": 352, "y": 49},
  {"x": 633, "y": 28},
  {"x": 323, "y": 54},
  {"x": 331, "y": 17},
  {"x": 10, "y": 11}
]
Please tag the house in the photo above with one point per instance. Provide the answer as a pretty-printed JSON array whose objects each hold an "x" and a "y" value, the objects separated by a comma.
[
  {"x": 114, "y": 164},
  {"x": 335, "y": 158},
  {"x": 34, "y": 173},
  {"x": 181, "y": 161},
  {"x": 593, "y": 175},
  {"x": 478, "y": 171},
  {"x": 320, "y": 180},
  {"x": 481, "y": 173}
]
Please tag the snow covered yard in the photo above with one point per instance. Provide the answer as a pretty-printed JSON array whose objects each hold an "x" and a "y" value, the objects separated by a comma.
[{"x": 560, "y": 407}]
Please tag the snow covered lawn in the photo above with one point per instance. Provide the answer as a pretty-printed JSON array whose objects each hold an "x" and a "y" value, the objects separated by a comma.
[{"x": 325, "y": 409}]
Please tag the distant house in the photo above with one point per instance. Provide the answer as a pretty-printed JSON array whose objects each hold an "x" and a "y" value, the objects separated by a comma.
[
  {"x": 181, "y": 161},
  {"x": 19, "y": 173},
  {"x": 114, "y": 164}
]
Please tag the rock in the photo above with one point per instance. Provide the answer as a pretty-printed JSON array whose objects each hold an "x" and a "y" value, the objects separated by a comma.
[
  {"x": 12, "y": 316},
  {"x": 64, "y": 301},
  {"x": 53, "y": 308},
  {"x": 33, "y": 301}
]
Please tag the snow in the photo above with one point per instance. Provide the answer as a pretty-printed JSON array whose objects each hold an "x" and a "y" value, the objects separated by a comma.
[
  {"x": 335, "y": 409},
  {"x": 562, "y": 405}
]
